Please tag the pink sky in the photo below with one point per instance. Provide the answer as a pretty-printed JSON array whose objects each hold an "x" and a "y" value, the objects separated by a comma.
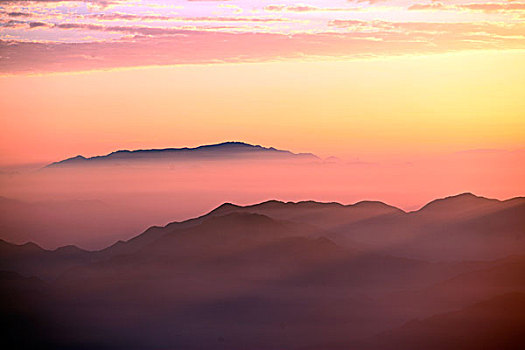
[
  {"x": 43, "y": 36},
  {"x": 416, "y": 99}
]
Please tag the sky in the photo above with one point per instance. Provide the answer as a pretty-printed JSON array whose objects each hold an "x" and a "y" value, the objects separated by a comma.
[
  {"x": 364, "y": 109},
  {"x": 403, "y": 101},
  {"x": 52, "y": 35},
  {"x": 354, "y": 79}
]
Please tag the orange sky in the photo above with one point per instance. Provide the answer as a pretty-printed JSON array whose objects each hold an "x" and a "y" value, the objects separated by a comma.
[
  {"x": 403, "y": 87},
  {"x": 412, "y": 105}
]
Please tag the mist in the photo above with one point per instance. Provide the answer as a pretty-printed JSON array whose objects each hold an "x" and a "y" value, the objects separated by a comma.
[{"x": 93, "y": 206}]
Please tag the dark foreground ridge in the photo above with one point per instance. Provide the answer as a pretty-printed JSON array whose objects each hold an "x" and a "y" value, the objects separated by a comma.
[{"x": 224, "y": 150}]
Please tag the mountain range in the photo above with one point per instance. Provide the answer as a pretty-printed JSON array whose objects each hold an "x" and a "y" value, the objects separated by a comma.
[
  {"x": 293, "y": 275},
  {"x": 221, "y": 151}
]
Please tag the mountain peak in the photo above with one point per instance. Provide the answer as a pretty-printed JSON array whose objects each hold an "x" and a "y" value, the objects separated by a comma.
[
  {"x": 466, "y": 200},
  {"x": 464, "y": 195},
  {"x": 370, "y": 204},
  {"x": 225, "y": 207}
]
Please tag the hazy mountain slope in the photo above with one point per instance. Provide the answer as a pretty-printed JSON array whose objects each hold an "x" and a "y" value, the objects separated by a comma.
[
  {"x": 486, "y": 233},
  {"x": 236, "y": 279},
  {"x": 256, "y": 296},
  {"x": 18, "y": 295},
  {"x": 501, "y": 276},
  {"x": 462, "y": 227},
  {"x": 228, "y": 269},
  {"x": 327, "y": 216},
  {"x": 211, "y": 230},
  {"x": 31, "y": 260},
  {"x": 497, "y": 323}
]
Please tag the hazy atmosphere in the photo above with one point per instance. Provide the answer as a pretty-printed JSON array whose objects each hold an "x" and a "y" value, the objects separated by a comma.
[{"x": 261, "y": 175}]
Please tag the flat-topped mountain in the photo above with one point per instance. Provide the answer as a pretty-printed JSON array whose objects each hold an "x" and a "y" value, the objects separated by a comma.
[{"x": 219, "y": 151}]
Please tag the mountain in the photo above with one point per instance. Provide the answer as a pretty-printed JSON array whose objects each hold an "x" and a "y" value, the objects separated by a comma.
[
  {"x": 315, "y": 218},
  {"x": 276, "y": 275},
  {"x": 31, "y": 260},
  {"x": 224, "y": 271},
  {"x": 493, "y": 324},
  {"x": 20, "y": 298},
  {"x": 488, "y": 229},
  {"x": 220, "y": 151},
  {"x": 323, "y": 215},
  {"x": 460, "y": 227},
  {"x": 499, "y": 277}
]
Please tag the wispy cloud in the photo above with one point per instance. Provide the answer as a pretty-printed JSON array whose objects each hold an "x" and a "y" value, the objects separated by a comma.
[{"x": 244, "y": 30}]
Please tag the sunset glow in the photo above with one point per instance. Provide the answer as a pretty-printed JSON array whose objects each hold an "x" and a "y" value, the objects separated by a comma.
[
  {"x": 345, "y": 78},
  {"x": 262, "y": 174},
  {"x": 428, "y": 92},
  {"x": 50, "y": 35}
]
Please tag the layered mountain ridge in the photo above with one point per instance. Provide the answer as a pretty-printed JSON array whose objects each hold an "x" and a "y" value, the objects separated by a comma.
[{"x": 279, "y": 275}]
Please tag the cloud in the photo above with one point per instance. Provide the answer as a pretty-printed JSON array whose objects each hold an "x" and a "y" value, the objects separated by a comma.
[
  {"x": 145, "y": 31},
  {"x": 483, "y": 7},
  {"x": 37, "y": 24},
  {"x": 36, "y": 1},
  {"x": 494, "y": 7},
  {"x": 167, "y": 46},
  {"x": 13, "y": 24},
  {"x": 101, "y": 3},
  {"x": 368, "y": 1},
  {"x": 18, "y": 14},
  {"x": 304, "y": 8},
  {"x": 116, "y": 16},
  {"x": 121, "y": 36},
  {"x": 132, "y": 17},
  {"x": 232, "y": 19},
  {"x": 431, "y": 6}
]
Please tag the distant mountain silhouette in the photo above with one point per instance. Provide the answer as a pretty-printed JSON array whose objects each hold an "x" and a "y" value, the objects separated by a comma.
[{"x": 225, "y": 150}]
